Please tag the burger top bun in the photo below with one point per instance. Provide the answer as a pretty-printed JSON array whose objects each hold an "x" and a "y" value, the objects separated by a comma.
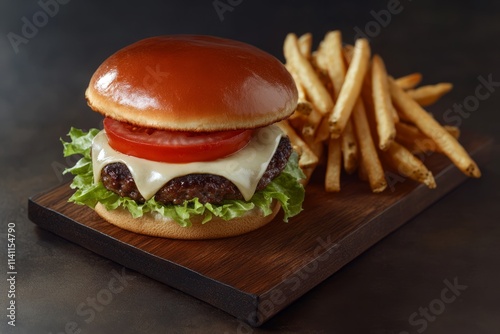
[{"x": 192, "y": 83}]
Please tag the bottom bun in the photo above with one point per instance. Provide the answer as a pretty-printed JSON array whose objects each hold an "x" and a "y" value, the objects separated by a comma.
[{"x": 159, "y": 226}]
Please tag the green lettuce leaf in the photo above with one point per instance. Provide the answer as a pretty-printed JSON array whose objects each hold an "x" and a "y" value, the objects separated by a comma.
[{"x": 285, "y": 188}]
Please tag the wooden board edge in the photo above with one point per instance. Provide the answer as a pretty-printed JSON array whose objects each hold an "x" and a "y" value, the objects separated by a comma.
[{"x": 218, "y": 294}]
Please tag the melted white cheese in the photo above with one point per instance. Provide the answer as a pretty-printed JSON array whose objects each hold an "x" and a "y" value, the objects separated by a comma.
[{"x": 244, "y": 168}]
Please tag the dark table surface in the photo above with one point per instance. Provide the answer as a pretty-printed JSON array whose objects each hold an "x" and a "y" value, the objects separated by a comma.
[{"x": 394, "y": 287}]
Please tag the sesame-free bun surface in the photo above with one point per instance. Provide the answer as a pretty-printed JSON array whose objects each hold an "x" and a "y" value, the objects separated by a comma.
[
  {"x": 158, "y": 226},
  {"x": 192, "y": 83}
]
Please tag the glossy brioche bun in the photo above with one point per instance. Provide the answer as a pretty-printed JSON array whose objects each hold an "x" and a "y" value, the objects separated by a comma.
[
  {"x": 193, "y": 83},
  {"x": 158, "y": 226}
]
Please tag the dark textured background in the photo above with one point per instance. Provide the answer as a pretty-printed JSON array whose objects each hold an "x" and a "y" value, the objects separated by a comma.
[{"x": 41, "y": 96}]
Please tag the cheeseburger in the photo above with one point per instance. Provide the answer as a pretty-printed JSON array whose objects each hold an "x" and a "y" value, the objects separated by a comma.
[{"x": 189, "y": 148}]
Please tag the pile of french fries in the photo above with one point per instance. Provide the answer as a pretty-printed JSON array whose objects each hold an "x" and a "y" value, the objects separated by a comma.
[{"x": 355, "y": 117}]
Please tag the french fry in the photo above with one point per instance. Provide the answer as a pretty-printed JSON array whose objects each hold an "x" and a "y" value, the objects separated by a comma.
[
  {"x": 429, "y": 94},
  {"x": 351, "y": 88},
  {"x": 369, "y": 158},
  {"x": 323, "y": 131},
  {"x": 331, "y": 54},
  {"x": 452, "y": 130},
  {"x": 306, "y": 157},
  {"x": 382, "y": 104},
  {"x": 333, "y": 166},
  {"x": 406, "y": 164},
  {"x": 312, "y": 84},
  {"x": 348, "y": 51},
  {"x": 349, "y": 147},
  {"x": 366, "y": 89},
  {"x": 349, "y": 108},
  {"x": 432, "y": 129},
  {"x": 330, "y": 60},
  {"x": 303, "y": 107},
  {"x": 298, "y": 121},
  {"x": 362, "y": 173},
  {"x": 312, "y": 123},
  {"x": 305, "y": 45},
  {"x": 316, "y": 147},
  {"x": 409, "y": 81},
  {"x": 414, "y": 140}
]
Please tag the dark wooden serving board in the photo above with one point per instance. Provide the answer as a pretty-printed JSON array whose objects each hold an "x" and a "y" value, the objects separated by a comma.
[{"x": 256, "y": 275}]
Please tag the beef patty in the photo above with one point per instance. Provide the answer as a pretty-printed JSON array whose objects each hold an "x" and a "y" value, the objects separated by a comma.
[{"x": 208, "y": 188}]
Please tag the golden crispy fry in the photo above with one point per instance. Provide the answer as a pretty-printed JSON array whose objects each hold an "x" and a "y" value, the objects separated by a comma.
[
  {"x": 305, "y": 45},
  {"x": 331, "y": 60},
  {"x": 414, "y": 140},
  {"x": 312, "y": 124},
  {"x": 304, "y": 107},
  {"x": 323, "y": 131},
  {"x": 382, "y": 104},
  {"x": 333, "y": 166},
  {"x": 366, "y": 88},
  {"x": 348, "y": 106},
  {"x": 406, "y": 164},
  {"x": 432, "y": 129},
  {"x": 368, "y": 151},
  {"x": 395, "y": 116},
  {"x": 349, "y": 147},
  {"x": 452, "y": 130},
  {"x": 298, "y": 121},
  {"x": 362, "y": 173},
  {"x": 409, "y": 81},
  {"x": 351, "y": 88},
  {"x": 427, "y": 95},
  {"x": 316, "y": 147},
  {"x": 307, "y": 157},
  {"x": 309, "y": 79},
  {"x": 348, "y": 51}
]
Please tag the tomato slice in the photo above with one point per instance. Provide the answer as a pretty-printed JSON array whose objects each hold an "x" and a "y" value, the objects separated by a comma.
[{"x": 173, "y": 146}]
